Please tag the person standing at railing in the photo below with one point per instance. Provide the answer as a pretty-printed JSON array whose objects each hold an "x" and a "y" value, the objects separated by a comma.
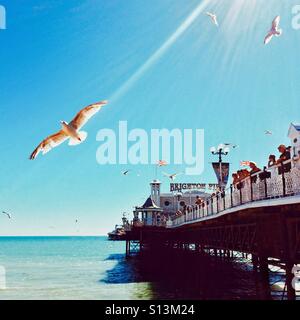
[
  {"x": 272, "y": 161},
  {"x": 198, "y": 200},
  {"x": 242, "y": 175},
  {"x": 235, "y": 180},
  {"x": 284, "y": 156},
  {"x": 271, "y": 167},
  {"x": 254, "y": 169}
]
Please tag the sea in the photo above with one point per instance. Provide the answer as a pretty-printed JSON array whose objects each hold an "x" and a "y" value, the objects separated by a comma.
[{"x": 93, "y": 268}]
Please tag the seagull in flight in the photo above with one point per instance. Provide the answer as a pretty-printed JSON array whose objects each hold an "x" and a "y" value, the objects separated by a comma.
[
  {"x": 231, "y": 145},
  {"x": 70, "y": 130},
  {"x": 173, "y": 176},
  {"x": 125, "y": 173},
  {"x": 213, "y": 18},
  {"x": 8, "y": 214},
  {"x": 274, "y": 31},
  {"x": 267, "y": 132}
]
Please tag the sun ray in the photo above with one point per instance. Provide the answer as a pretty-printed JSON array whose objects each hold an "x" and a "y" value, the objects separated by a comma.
[{"x": 161, "y": 51}]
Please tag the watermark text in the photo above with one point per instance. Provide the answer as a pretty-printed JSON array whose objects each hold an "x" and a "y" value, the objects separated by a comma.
[
  {"x": 2, "y": 18},
  {"x": 137, "y": 146},
  {"x": 296, "y": 17}
]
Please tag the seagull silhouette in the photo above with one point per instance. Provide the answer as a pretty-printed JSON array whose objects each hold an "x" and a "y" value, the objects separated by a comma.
[
  {"x": 231, "y": 145},
  {"x": 172, "y": 176},
  {"x": 267, "y": 132},
  {"x": 274, "y": 31},
  {"x": 213, "y": 18},
  {"x": 8, "y": 214}
]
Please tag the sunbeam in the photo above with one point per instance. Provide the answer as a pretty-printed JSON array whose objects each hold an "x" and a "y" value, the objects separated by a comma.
[{"x": 158, "y": 54}]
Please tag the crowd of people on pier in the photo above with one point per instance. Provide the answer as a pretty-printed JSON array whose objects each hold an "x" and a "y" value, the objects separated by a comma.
[
  {"x": 285, "y": 155},
  {"x": 254, "y": 171}
]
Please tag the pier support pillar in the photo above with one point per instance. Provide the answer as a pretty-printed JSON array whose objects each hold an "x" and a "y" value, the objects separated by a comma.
[
  {"x": 127, "y": 248},
  {"x": 291, "y": 293},
  {"x": 264, "y": 267},
  {"x": 255, "y": 262},
  {"x": 264, "y": 278}
]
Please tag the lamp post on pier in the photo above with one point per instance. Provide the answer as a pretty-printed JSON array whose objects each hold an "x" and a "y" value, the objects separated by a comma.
[{"x": 220, "y": 151}]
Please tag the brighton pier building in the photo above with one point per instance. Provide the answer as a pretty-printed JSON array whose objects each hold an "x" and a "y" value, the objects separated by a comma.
[{"x": 160, "y": 207}]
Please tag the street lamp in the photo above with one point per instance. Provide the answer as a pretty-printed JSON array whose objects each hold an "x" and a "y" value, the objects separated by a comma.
[{"x": 221, "y": 150}]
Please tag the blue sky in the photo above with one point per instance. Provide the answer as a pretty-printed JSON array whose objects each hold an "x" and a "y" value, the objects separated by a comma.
[{"x": 58, "y": 56}]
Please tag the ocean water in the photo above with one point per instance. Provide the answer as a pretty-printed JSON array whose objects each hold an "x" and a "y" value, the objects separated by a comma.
[
  {"x": 68, "y": 268},
  {"x": 48, "y": 268}
]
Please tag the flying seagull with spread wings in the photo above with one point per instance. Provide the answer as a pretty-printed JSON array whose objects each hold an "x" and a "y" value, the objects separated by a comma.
[
  {"x": 172, "y": 176},
  {"x": 274, "y": 31},
  {"x": 213, "y": 18},
  {"x": 70, "y": 130},
  {"x": 8, "y": 214},
  {"x": 268, "y": 132}
]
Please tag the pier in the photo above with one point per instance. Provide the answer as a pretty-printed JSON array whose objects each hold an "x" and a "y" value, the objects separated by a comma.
[{"x": 258, "y": 219}]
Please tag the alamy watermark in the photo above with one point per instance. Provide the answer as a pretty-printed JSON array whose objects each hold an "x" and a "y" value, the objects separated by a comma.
[
  {"x": 2, "y": 18},
  {"x": 296, "y": 17},
  {"x": 137, "y": 146},
  {"x": 2, "y": 278}
]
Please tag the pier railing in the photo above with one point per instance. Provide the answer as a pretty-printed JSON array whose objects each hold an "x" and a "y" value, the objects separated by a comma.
[{"x": 282, "y": 180}]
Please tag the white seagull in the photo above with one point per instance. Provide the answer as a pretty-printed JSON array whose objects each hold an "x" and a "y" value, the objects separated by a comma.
[
  {"x": 125, "y": 173},
  {"x": 8, "y": 214},
  {"x": 69, "y": 130},
  {"x": 172, "y": 176},
  {"x": 274, "y": 31},
  {"x": 213, "y": 18},
  {"x": 267, "y": 132}
]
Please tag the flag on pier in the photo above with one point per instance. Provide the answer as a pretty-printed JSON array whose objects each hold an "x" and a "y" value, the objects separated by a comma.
[
  {"x": 161, "y": 163},
  {"x": 245, "y": 163}
]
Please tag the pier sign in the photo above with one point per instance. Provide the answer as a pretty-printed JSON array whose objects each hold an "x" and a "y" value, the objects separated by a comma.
[
  {"x": 192, "y": 186},
  {"x": 222, "y": 172}
]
